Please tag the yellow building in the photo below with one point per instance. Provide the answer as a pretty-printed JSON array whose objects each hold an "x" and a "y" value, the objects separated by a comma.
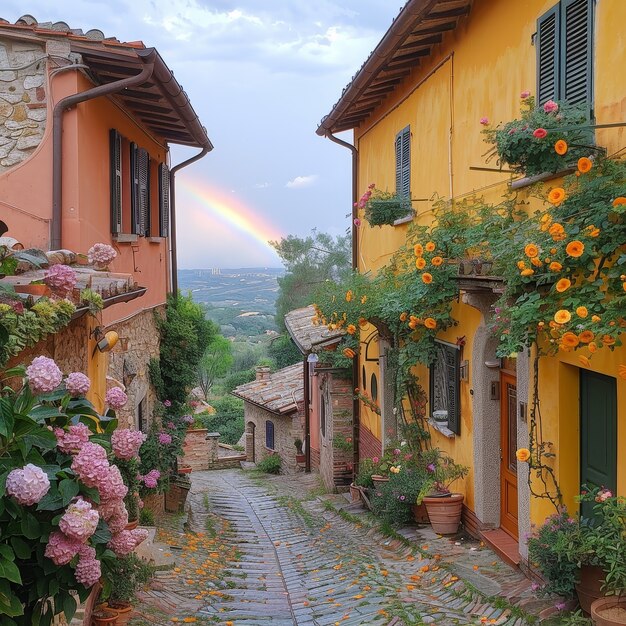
[{"x": 415, "y": 108}]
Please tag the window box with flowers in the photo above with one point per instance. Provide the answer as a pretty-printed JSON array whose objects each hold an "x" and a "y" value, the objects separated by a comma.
[
  {"x": 383, "y": 208},
  {"x": 544, "y": 141}
]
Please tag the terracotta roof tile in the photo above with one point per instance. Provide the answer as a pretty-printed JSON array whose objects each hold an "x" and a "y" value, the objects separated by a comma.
[{"x": 306, "y": 335}]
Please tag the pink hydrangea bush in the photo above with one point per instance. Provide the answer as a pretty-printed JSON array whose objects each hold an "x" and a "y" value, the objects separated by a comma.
[
  {"x": 43, "y": 375},
  {"x": 27, "y": 485},
  {"x": 124, "y": 542},
  {"x": 126, "y": 443},
  {"x": 88, "y": 569},
  {"x": 61, "y": 279},
  {"x": 151, "y": 479},
  {"x": 101, "y": 254},
  {"x": 61, "y": 549},
  {"x": 77, "y": 384},
  {"x": 72, "y": 440},
  {"x": 80, "y": 520},
  {"x": 165, "y": 438},
  {"x": 116, "y": 398}
]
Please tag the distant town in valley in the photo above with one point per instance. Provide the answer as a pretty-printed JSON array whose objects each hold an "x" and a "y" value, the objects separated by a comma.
[{"x": 240, "y": 300}]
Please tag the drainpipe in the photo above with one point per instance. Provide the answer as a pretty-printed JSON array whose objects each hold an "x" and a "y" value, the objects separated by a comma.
[
  {"x": 356, "y": 407},
  {"x": 147, "y": 57},
  {"x": 174, "y": 259}
]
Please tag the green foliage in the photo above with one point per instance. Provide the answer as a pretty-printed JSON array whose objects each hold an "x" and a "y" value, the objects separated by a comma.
[
  {"x": 284, "y": 352},
  {"x": 228, "y": 419},
  {"x": 270, "y": 464},
  {"x": 516, "y": 146},
  {"x": 238, "y": 378},
  {"x": 92, "y": 300},
  {"x": 215, "y": 363},
  {"x": 364, "y": 476},
  {"x": 341, "y": 442},
  {"x": 185, "y": 336},
  {"x": 384, "y": 208},
  {"x": 309, "y": 262},
  {"x": 146, "y": 517},
  {"x": 126, "y": 576},
  {"x": 392, "y": 500}
]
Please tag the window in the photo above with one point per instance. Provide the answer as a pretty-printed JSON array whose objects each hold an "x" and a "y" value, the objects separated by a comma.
[
  {"x": 140, "y": 190},
  {"x": 374, "y": 387},
  {"x": 164, "y": 200},
  {"x": 565, "y": 53},
  {"x": 269, "y": 435},
  {"x": 403, "y": 163},
  {"x": 445, "y": 382}
]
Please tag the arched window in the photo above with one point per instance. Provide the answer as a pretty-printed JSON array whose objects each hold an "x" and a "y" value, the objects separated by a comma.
[
  {"x": 374, "y": 387},
  {"x": 269, "y": 435}
]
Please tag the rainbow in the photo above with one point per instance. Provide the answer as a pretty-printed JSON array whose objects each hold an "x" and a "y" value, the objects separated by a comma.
[{"x": 213, "y": 202}]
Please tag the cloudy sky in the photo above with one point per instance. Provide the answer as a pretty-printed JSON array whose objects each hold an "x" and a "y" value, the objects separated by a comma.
[{"x": 260, "y": 74}]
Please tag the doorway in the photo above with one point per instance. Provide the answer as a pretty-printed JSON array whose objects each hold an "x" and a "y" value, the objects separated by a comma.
[
  {"x": 250, "y": 447},
  {"x": 598, "y": 433},
  {"x": 508, "y": 459}
]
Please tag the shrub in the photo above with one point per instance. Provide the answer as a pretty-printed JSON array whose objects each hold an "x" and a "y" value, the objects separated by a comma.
[
  {"x": 392, "y": 501},
  {"x": 146, "y": 517},
  {"x": 124, "y": 577},
  {"x": 227, "y": 420},
  {"x": 270, "y": 464}
]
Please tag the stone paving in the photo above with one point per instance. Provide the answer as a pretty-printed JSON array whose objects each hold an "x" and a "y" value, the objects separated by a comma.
[{"x": 274, "y": 550}]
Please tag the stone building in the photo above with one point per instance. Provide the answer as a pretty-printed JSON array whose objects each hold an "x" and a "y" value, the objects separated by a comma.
[{"x": 274, "y": 414}]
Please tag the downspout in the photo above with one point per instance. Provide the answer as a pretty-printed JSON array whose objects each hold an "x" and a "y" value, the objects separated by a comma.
[
  {"x": 307, "y": 417},
  {"x": 174, "y": 259},
  {"x": 57, "y": 135},
  {"x": 356, "y": 407}
]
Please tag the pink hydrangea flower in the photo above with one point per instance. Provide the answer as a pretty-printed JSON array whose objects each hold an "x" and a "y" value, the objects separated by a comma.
[
  {"x": 101, "y": 254},
  {"x": 167, "y": 403},
  {"x": 484, "y": 121},
  {"x": 88, "y": 569},
  {"x": 27, "y": 485},
  {"x": 126, "y": 443},
  {"x": 165, "y": 439},
  {"x": 117, "y": 523},
  {"x": 525, "y": 94},
  {"x": 77, "y": 384},
  {"x": 124, "y": 542},
  {"x": 43, "y": 375},
  {"x": 61, "y": 279},
  {"x": 116, "y": 398},
  {"x": 112, "y": 486},
  {"x": 80, "y": 520},
  {"x": 188, "y": 419},
  {"x": 550, "y": 106},
  {"x": 91, "y": 465},
  {"x": 150, "y": 480},
  {"x": 109, "y": 509},
  {"x": 61, "y": 549},
  {"x": 72, "y": 440}
]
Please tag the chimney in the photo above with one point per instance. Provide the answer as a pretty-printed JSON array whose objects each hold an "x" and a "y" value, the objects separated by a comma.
[{"x": 263, "y": 372}]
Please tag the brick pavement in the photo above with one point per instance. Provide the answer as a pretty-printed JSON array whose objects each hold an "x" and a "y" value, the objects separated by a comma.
[{"x": 270, "y": 551}]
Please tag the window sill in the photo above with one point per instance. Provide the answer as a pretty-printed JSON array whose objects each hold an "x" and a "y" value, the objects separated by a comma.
[
  {"x": 520, "y": 183},
  {"x": 124, "y": 238},
  {"x": 404, "y": 220},
  {"x": 156, "y": 239},
  {"x": 442, "y": 428}
]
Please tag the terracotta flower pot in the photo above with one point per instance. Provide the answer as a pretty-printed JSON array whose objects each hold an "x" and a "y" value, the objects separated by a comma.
[
  {"x": 609, "y": 611},
  {"x": 445, "y": 512},
  {"x": 420, "y": 514},
  {"x": 33, "y": 289},
  {"x": 124, "y": 611},
  {"x": 103, "y": 617},
  {"x": 132, "y": 525},
  {"x": 300, "y": 458},
  {"x": 355, "y": 493},
  {"x": 185, "y": 470},
  {"x": 589, "y": 586}
]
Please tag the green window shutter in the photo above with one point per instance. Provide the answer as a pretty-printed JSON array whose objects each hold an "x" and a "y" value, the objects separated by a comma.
[
  {"x": 577, "y": 51},
  {"x": 164, "y": 200},
  {"x": 453, "y": 366},
  {"x": 403, "y": 162},
  {"x": 135, "y": 207},
  {"x": 115, "y": 151},
  {"x": 548, "y": 45},
  {"x": 143, "y": 190}
]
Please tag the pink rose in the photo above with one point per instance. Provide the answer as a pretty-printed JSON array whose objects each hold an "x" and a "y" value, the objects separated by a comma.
[
  {"x": 484, "y": 121},
  {"x": 540, "y": 133},
  {"x": 550, "y": 106},
  {"x": 525, "y": 94}
]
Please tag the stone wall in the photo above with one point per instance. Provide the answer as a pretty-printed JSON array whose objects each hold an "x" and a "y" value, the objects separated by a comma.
[
  {"x": 128, "y": 364},
  {"x": 287, "y": 428},
  {"x": 23, "y": 100},
  {"x": 336, "y": 463},
  {"x": 198, "y": 452}
]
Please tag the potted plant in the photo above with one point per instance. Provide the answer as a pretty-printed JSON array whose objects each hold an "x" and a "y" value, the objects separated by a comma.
[
  {"x": 103, "y": 617},
  {"x": 393, "y": 501},
  {"x": 444, "y": 507},
  {"x": 300, "y": 456},
  {"x": 384, "y": 208},
  {"x": 123, "y": 579}
]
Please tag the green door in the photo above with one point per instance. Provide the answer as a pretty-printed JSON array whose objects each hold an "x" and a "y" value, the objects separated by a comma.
[{"x": 598, "y": 433}]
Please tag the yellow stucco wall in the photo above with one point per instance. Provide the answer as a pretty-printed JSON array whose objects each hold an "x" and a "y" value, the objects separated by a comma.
[{"x": 479, "y": 70}]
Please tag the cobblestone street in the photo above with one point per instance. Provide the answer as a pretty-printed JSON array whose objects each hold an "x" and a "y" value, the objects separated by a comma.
[{"x": 274, "y": 550}]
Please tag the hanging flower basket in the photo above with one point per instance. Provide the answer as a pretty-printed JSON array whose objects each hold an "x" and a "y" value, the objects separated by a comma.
[{"x": 381, "y": 211}]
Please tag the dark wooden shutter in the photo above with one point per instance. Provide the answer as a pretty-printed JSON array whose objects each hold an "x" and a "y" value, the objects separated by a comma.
[
  {"x": 135, "y": 206},
  {"x": 115, "y": 151},
  {"x": 452, "y": 356},
  {"x": 164, "y": 200},
  {"x": 269, "y": 435},
  {"x": 143, "y": 167},
  {"x": 548, "y": 45},
  {"x": 403, "y": 162},
  {"x": 577, "y": 51}
]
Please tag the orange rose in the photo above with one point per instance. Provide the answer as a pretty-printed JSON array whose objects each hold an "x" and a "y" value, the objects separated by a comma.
[
  {"x": 403, "y": 317},
  {"x": 351, "y": 329},
  {"x": 619, "y": 200},
  {"x": 418, "y": 249},
  {"x": 563, "y": 285},
  {"x": 562, "y": 316},
  {"x": 555, "y": 266},
  {"x": 437, "y": 261},
  {"x": 527, "y": 272},
  {"x": 430, "y": 246},
  {"x": 521, "y": 265},
  {"x": 607, "y": 340},
  {"x": 536, "y": 261},
  {"x": 556, "y": 195},
  {"x": 592, "y": 231},
  {"x": 427, "y": 278},
  {"x": 522, "y": 455},
  {"x": 584, "y": 165},
  {"x": 570, "y": 340},
  {"x": 429, "y": 322},
  {"x": 348, "y": 353},
  {"x": 363, "y": 322},
  {"x": 592, "y": 347},
  {"x": 586, "y": 336},
  {"x": 557, "y": 231},
  {"x": 349, "y": 295},
  {"x": 420, "y": 263},
  {"x": 582, "y": 311},
  {"x": 560, "y": 147},
  {"x": 575, "y": 248},
  {"x": 531, "y": 250},
  {"x": 595, "y": 318}
]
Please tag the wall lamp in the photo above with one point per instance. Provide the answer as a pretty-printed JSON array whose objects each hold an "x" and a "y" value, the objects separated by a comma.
[
  {"x": 106, "y": 342},
  {"x": 312, "y": 360}
]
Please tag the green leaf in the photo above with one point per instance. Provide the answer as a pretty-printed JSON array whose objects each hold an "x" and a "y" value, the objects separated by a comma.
[
  {"x": 6, "y": 552},
  {"x": 41, "y": 413},
  {"x": 102, "y": 534},
  {"x": 22, "y": 549},
  {"x": 43, "y": 439},
  {"x": 69, "y": 607},
  {"x": 68, "y": 489},
  {"x": 30, "y": 526},
  {"x": 51, "y": 501},
  {"x": 9, "y": 571},
  {"x": 90, "y": 492},
  {"x": 53, "y": 587}
]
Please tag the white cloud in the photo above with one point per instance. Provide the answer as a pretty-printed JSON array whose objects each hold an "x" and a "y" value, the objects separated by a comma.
[
  {"x": 261, "y": 185},
  {"x": 302, "y": 181}
]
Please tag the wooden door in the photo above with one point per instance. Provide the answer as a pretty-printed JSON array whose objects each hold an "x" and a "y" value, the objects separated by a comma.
[
  {"x": 598, "y": 433},
  {"x": 508, "y": 448}
]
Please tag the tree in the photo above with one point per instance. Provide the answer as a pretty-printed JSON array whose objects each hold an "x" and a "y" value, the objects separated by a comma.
[
  {"x": 284, "y": 352},
  {"x": 309, "y": 262},
  {"x": 215, "y": 363}
]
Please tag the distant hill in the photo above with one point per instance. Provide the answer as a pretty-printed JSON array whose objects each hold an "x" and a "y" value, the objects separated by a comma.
[{"x": 241, "y": 300}]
